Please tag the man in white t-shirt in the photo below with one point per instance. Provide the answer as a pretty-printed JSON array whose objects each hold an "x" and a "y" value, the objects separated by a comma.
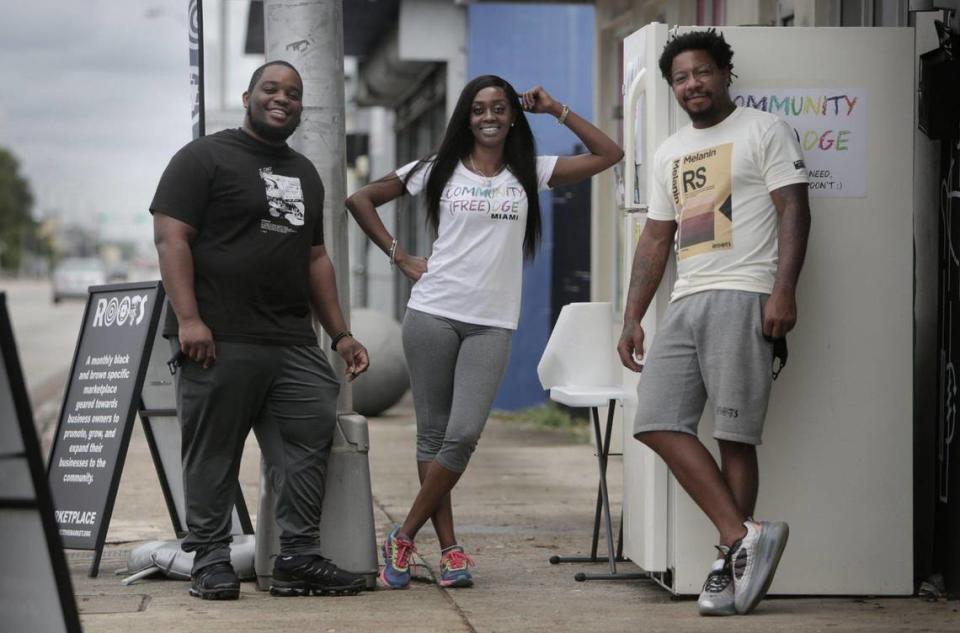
[{"x": 730, "y": 194}]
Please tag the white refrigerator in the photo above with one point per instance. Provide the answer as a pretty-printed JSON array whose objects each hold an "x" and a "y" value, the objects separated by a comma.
[{"x": 837, "y": 453}]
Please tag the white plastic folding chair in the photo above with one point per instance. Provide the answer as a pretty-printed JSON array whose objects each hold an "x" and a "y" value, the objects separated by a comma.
[{"x": 580, "y": 369}]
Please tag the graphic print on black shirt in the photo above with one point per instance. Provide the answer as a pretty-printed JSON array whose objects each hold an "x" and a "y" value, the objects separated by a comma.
[
  {"x": 701, "y": 188},
  {"x": 258, "y": 212},
  {"x": 284, "y": 200}
]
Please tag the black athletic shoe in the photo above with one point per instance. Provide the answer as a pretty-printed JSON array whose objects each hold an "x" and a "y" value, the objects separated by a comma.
[
  {"x": 312, "y": 574},
  {"x": 215, "y": 582}
]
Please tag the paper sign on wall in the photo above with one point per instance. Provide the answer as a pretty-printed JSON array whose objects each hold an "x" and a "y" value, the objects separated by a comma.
[{"x": 831, "y": 127}]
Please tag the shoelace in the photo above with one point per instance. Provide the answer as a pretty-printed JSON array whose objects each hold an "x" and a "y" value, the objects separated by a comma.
[
  {"x": 402, "y": 550},
  {"x": 717, "y": 580},
  {"x": 457, "y": 560},
  {"x": 736, "y": 559}
]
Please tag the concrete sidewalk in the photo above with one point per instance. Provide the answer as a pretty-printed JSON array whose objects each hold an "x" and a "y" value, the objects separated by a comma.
[{"x": 527, "y": 494}]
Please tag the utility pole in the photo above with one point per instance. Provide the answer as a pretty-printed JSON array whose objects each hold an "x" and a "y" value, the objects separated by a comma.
[{"x": 309, "y": 35}]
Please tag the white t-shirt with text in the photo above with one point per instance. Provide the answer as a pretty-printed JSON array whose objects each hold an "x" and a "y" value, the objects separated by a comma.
[
  {"x": 715, "y": 183},
  {"x": 475, "y": 270}
]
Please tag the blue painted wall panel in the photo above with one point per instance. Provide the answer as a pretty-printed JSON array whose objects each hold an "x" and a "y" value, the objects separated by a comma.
[{"x": 550, "y": 45}]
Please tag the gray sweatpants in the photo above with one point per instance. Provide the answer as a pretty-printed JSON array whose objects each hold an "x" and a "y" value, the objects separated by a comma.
[
  {"x": 455, "y": 370},
  {"x": 288, "y": 395}
]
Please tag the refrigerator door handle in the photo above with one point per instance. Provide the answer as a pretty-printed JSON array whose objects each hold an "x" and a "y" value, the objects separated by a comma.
[{"x": 637, "y": 88}]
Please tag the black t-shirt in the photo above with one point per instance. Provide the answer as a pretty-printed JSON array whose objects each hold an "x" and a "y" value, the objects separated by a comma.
[{"x": 258, "y": 210}]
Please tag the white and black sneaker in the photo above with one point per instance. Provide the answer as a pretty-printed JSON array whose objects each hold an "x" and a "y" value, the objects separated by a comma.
[
  {"x": 754, "y": 559},
  {"x": 717, "y": 595}
]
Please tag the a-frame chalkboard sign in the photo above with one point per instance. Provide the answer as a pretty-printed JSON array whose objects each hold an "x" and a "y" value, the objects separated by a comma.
[
  {"x": 99, "y": 406},
  {"x": 34, "y": 568}
]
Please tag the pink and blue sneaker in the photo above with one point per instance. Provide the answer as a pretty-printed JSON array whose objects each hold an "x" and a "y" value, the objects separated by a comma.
[
  {"x": 455, "y": 568},
  {"x": 397, "y": 550}
]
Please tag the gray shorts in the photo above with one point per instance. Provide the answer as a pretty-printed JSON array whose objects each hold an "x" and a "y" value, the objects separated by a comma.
[{"x": 710, "y": 345}]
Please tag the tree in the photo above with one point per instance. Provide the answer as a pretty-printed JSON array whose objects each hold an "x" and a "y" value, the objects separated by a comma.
[{"x": 18, "y": 229}]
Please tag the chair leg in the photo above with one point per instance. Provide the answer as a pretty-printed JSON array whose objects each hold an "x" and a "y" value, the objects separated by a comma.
[
  {"x": 620, "y": 558},
  {"x": 614, "y": 553},
  {"x": 602, "y": 464},
  {"x": 595, "y": 540}
]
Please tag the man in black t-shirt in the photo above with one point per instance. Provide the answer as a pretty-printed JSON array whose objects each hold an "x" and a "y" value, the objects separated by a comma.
[{"x": 238, "y": 224}]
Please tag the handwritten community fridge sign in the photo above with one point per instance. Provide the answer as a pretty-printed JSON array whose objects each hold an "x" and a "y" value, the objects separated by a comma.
[{"x": 831, "y": 128}]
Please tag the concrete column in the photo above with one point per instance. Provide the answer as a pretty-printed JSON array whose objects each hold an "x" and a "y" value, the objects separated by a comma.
[
  {"x": 380, "y": 277},
  {"x": 309, "y": 35}
]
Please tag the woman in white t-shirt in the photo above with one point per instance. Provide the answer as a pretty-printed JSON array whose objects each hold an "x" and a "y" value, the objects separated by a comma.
[{"x": 482, "y": 202}]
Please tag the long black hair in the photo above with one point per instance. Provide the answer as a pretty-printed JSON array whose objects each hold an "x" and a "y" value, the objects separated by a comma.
[{"x": 519, "y": 155}]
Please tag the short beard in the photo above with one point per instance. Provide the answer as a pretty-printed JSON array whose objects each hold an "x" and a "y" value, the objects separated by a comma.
[
  {"x": 702, "y": 115},
  {"x": 272, "y": 134},
  {"x": 716, "y": 113}
]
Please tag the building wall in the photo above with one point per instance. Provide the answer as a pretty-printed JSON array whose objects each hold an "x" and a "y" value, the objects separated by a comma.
[
  {"x": 928, "y": 558},
  {"x": 432, "y": 30},
  {"x": 550, "y": 45}
]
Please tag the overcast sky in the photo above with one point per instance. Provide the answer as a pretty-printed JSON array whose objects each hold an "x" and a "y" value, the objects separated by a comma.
[{"x": 95, "y": 100}]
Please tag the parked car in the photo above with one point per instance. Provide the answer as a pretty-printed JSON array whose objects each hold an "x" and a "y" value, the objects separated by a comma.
[
  {"x": 73, "y": 275},
  {"x": 117, "y": 273}
]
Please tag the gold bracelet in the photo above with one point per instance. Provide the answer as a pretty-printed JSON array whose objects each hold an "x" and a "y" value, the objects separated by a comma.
[{"x": 564, "y": 111}]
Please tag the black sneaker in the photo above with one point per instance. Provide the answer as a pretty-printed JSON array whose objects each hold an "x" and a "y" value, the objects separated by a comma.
[
  {"x": 312, "y": 574},
  {"x": 215, "y": 582}
]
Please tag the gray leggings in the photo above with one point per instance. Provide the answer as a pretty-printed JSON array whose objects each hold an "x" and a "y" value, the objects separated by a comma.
[{"x": 455, "y": 370}]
